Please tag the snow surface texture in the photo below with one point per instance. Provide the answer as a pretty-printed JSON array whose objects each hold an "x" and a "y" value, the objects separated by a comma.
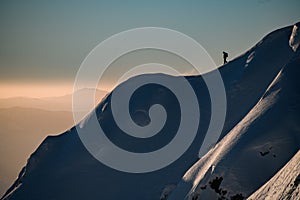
[
  {"x": 255, "y": 149},
  {"x": 284, "y": 185},
  {"x": 295, "y": 37},
  {"x": 260, "y": 135}
]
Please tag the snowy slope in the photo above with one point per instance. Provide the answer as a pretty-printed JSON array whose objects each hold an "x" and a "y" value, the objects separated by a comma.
[
  {"x": 61, "y": 168},
  {"x": 284, "y": 185},
  {"x": 18, "y": 117},
  {"x": 21, "y": 135},
  {"x": 255, "y": 149}
]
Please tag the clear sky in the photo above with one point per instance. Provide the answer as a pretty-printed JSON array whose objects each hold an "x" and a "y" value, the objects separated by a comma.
[{"x": 44, "y": 42}]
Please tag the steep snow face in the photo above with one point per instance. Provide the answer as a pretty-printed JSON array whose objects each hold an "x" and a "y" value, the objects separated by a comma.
[
  {"x": 247, "y": 77},
  {"x": 61, "y": 168},
  {"x": 295, "y": 37},
  {"x": 255, "y": 149},
  {"x": 284, "y": 185}
]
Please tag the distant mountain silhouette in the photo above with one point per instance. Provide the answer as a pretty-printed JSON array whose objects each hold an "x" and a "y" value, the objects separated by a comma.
[{"x": 58, "y": 103}]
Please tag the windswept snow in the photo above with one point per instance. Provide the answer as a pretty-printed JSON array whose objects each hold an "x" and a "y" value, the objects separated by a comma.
[
  {"x": 250, "y": 58},
  {"x": 284, "y": 185},
  {"x": 255, "y": 149},
  {"x": 295, "y": 37},
  {"x": 218, "y": 161}
]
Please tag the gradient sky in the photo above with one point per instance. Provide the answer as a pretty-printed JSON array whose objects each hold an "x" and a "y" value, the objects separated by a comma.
[{"x": 44, "y": 42}]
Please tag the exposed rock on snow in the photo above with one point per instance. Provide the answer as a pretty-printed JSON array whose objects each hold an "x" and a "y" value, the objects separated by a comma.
[
  {"x": 284, "y": 185},
  {"x": 166, "y": 191}
]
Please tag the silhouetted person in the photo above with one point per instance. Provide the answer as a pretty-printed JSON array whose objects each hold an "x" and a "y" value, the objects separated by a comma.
[{"x": 225, "y": 56}]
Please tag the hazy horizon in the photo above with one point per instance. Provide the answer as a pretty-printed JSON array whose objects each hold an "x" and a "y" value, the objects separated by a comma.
[
  {"x": 44, "y": 43},
  {"x": 37, "y": 91}
]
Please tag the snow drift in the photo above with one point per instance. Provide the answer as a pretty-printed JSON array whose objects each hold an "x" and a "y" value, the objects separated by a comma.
[{"x": 261, "y": 133}]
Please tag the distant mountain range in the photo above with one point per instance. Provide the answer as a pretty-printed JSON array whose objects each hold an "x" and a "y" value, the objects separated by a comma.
[
  {"x": 27, "y": 121},
  {"x": 59, "y": 103}
]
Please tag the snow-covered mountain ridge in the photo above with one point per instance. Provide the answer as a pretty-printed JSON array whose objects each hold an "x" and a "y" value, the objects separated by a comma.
[
  {"x": 255, "y": 149},
  {"x": 260, "y": 135}
]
